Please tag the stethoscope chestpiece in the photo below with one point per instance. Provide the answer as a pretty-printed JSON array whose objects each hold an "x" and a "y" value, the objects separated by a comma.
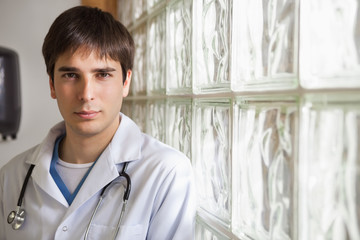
[{"x": 16, "y": 218}]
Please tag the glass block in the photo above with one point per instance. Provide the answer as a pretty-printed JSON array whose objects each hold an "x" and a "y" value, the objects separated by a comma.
[
  {"x": 178, "y": 125},
  {"x": 156, "y": 68},
  {"x": 264, "y": 45},
  {"x": 139, "y": 8},
  {"x": 156, "y": 122},
  {"x": 125, "y": 12},
  {"x": 139, "y": 113},
  {"x": 211, "y": 45},
  {"x": 264, "y": 152},
  {"x": 329, "y": 167},
  {"x": 179, "y": 25},
  {"x": 329, "y": 44},
  {"x": 151, "y": 4},
  {"x": 211, "y": 157},
  {"x": 204, "y": 231},
  {"x": 138, "y": 81}
]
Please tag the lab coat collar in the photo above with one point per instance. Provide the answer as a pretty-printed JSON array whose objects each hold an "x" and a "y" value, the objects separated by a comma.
[
  {"x": 126, "y": 143},
  {"x": 125, "y": 146}
]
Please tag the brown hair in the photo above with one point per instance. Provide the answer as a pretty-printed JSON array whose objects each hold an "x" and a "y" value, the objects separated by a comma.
[{"x": 90, "y": 27}]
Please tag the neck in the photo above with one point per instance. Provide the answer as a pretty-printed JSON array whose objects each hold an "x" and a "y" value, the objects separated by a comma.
[{"x": 75, "y": 148}]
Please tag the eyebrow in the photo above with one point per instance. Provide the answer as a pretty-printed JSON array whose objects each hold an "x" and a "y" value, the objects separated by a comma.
[
  {"x": 74, "y": 69},
  {"x": 68, "y": 69},
  {"x": 102, "y": 70}
]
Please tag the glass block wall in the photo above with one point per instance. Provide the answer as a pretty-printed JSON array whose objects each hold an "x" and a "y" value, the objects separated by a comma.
[{"x": 264, "y": 97}]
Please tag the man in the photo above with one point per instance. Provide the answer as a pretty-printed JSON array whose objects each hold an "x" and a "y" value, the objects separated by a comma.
[{"x": 89, "y": 57}]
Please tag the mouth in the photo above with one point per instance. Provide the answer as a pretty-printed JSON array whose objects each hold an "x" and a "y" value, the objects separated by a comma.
[{"x": 87, "y": 114}]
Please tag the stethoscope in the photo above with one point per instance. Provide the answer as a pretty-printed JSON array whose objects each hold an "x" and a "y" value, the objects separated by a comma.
[{"x": 17, "y": 217}]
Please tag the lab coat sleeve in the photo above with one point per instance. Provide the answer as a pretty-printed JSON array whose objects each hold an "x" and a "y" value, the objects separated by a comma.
[{"x": 175, "y": 207}]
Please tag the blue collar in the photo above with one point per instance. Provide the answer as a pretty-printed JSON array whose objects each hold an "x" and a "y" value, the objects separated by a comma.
[{"x": 55, "y": 175}]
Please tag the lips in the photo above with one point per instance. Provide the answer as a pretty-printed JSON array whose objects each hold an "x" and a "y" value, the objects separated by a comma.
[{"x": 87, "y": 114}]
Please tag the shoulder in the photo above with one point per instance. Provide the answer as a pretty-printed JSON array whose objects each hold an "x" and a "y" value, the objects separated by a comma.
[
  {"x": 164, "y": 156},
  {"x": 17, "y": 165},
  {"x": 152, "y": 147}
]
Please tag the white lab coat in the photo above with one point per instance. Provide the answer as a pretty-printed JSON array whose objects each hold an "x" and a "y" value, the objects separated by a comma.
[{"x": 161, "y": 204}]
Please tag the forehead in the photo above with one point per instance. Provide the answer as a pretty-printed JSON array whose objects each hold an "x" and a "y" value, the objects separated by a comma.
[{"x": 85, "y": 55}]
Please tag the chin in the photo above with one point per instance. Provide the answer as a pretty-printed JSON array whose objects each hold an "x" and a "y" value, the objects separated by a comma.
[
  {"x": 87, "y": 133},
  {"x": 85, "y": 129}
]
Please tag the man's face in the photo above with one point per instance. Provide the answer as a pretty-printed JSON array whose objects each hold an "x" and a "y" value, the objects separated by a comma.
[{"x": 89, "y": 92}]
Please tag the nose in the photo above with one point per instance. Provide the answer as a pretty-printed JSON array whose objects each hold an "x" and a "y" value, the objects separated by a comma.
[{"x": 86, "y": 90}]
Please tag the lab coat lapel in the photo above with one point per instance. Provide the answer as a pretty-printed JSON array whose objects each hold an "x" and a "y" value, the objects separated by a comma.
[
  {"x": 42, "y": 158},
  {"x": 44, "y": 180}
]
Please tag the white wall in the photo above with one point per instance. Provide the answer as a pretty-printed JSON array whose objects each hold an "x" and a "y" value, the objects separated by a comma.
[{"x": 23, "y": 26}]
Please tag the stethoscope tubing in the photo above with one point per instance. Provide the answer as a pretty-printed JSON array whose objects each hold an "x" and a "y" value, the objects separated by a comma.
[
  {"x": 24, "y": 186},
  {"x": 124, "y": 202}
]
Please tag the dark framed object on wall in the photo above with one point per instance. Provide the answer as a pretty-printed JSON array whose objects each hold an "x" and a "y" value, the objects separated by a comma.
[{"x": 10, "y": 96}]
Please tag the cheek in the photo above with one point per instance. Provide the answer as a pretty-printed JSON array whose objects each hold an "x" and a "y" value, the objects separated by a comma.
[
  {"x": 112, "y": 100},
  {"x": 113, "y": 93},
  {"x": 64, "y": 96}
]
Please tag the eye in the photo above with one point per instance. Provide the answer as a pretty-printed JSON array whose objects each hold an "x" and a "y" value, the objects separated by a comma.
[
  {"x": 70, "y": 76},
  {"x": 103, "y": 75}
]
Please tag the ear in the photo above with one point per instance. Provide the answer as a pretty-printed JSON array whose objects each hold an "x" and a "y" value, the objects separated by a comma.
[
  {"x": 126, "y": 87},
  {"x": 52, "y": 88}
]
